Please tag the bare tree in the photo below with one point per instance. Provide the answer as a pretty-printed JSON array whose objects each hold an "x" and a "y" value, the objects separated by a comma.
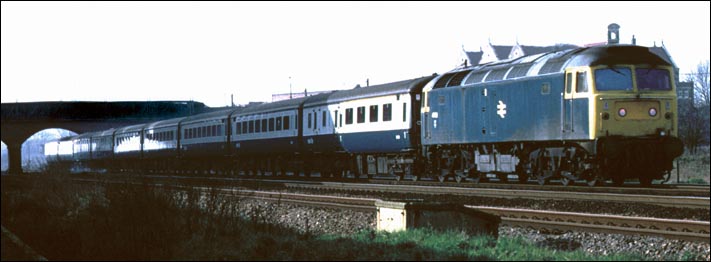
[
  {"x": 700, "y": 78},
  {"x": 694, "y": 118}
]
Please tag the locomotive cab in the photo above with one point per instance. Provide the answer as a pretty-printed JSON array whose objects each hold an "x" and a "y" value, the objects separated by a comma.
[{"x": 635, "y": 125}]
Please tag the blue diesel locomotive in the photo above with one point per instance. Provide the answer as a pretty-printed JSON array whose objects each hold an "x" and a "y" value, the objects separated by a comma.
[{"x": 594, "y": 114}]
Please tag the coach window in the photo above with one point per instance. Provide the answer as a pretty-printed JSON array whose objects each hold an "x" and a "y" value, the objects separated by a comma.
[
  {"x": 278, "y": 123},
  {"x": 245, "y": 127},
  {"x": 286, "y": 123},
  {"x": 238, "y": 129},
  {"x": 404, "y": 112},
  {"x": 323, "y": 118},
  {"x": 581, "y": 83},
  {"x": 257, "y": 126},
  {"x": 349, "y": 116},
  {"x": 251, "y": 126},
  {"x": 264, "y": 125},
  {"x": 309, "y": 123},
  {"x": 335, "y": 118},
  {"x": 374, "y": 113},
  {"x": 271, "y": 124},
  {"x": 315, "y": 119},
  {"x": 387, "y": 112},
  {"x": 361, "y": 114}
]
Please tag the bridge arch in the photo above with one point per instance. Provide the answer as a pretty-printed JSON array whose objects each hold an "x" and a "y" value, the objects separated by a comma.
[{"x": 22, "y": 120}]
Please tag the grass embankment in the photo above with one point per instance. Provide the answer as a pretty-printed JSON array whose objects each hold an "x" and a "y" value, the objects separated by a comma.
[
  {"x": 65, "y": 221},
  {"x": 693, "y": 168}
]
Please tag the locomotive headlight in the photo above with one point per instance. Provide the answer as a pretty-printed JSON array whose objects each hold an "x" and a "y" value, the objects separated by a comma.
[
  {"x": 652, "y": 112},
  {"x": 622, "y": 112}
]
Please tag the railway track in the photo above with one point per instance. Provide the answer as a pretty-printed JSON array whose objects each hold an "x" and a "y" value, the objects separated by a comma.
[
  {"x": 674, "y": 201},
  {"x": 550, "y": 220},
  {"x": 679, "y": 196}
]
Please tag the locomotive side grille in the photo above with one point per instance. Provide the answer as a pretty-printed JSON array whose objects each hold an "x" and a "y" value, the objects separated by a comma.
[
  {"x": 476, "y": 77},
  {"x": 497, "y": 74},
  {"x": 519, "y": 71},
  {"x": 552, "y": 66}
]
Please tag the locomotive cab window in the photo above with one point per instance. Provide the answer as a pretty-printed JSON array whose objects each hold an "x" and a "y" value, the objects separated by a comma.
[
  {"x": 613, "y": 78},
  {"x": 581, "y": 82},
  {"x": 653, "y": 79},
  {"x": 568, "y": 83}
]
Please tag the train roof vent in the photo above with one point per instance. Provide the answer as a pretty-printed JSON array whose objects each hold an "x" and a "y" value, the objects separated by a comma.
[
  {"x": 519, "y": 71},
  {"x": 497, "y": 74},
  {"x": 442, "y": 81},
  {"x": 458, "y": 77},
  {"x": 476, "y": 77}
]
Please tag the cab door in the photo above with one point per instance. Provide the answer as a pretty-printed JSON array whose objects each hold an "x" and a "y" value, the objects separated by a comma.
[
  {"x": 576, "y": 88},
  {"x": 566, "y": 101}
]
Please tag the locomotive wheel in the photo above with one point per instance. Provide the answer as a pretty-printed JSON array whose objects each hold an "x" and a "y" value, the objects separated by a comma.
[
  {"x": 474, "y": 175},
  {"x": 568, "y": 178},
  {"x": 593, "y": 181},
  {"x": 565, "y": 181},
  {"x": 542, "y": 177},
  {"x": 645, "y": 181},
  {"x": 522, "y": 178},
  {"x": 618, "y": 181},
  {"x": 442, "y": 178},
  {"x": 399, "y": 177},
  {"x": 459, "y": 179}
]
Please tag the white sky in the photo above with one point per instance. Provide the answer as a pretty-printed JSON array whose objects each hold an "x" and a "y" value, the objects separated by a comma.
[{"x": 205, "y": 51}]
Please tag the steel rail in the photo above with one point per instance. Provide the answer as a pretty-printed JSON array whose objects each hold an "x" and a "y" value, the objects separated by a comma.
[
  {"x": 554, "y": 220},
  {"x": 673, "y": 201}
]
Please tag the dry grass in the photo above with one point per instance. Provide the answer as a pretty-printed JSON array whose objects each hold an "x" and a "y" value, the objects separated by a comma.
[{"x": 693, "y": 168}]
